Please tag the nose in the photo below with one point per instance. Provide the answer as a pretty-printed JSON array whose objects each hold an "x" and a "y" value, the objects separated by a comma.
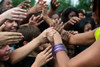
[
  {"x": 10, "y": 6},
  {"x": 8, "y": 48},
  {"x": 15, "y": 24}
]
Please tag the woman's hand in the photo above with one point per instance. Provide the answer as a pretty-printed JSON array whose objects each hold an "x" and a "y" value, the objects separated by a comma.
[
  {"x": 16, "y": 14},
  {"x": 43, "y": 57},
  {"x": 10, "y": 38}
]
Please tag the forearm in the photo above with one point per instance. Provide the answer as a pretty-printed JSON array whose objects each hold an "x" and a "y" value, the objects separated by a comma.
[
  {"x": 48, "y": 20},
  {"x": 61, "y": 56},
  {"x": 20, "y": 53},
  {"x": 35, "y": 65},
  {"x": 82, "y": 39},
  {"x": 62, "y": 59},
  {"x": 50, "y": 12}
]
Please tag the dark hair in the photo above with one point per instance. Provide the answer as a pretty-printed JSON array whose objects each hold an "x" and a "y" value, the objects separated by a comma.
[
  {"x": 79, "y": 26},
  {"x": 89, "y": 15},
  {"x": 29, "y": 32},
  {"x": 66, "y": 12},
  {"x": 80, "y": 11},
  {"x": 1, "y": 4}
]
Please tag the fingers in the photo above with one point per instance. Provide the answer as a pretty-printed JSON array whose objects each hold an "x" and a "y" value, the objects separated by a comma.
[
  {"x": 47, "y": 49},
  {"x": 2, "y": 27},
  {"x": 12, "y": 33},
  {"x": 18, "y": 9},
  {"x": 24, "y": 4},
  {"x": 13, "y": 41},
  {"x": 40, "y": 22},
  {"x": 49, "y": 59},
  {"x": 19, "y": 13}
]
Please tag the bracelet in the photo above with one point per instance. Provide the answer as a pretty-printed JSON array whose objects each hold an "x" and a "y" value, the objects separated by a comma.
[{"x": 57, "y": 48}]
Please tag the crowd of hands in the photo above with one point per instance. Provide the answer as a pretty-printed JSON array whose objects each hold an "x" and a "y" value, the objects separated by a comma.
[{"x": 53, "y": 35}]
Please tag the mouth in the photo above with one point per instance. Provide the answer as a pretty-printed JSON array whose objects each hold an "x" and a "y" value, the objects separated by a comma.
[
  {"x": 13, "y": 29},
  {"x": 7, "y": 54}
]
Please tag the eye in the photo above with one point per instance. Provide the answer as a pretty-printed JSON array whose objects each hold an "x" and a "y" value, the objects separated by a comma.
[{"x": 1, "y": 47}]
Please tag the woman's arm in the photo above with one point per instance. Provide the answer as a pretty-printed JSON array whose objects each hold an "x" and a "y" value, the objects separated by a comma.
[
  {"x": 88, "y": 58},
  {"x": 87, "y": 38}
]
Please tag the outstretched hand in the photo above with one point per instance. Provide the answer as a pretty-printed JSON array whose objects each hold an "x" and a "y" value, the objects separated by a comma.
[
  {"x": 54, "y": 4},
  {"x": 10, "y": 38},
  {"x": 16, "y": 14},
  {"x": 35, "y": 20},
  {"x": 43, "y": 57},
  {"x": 24, "y": 4}
]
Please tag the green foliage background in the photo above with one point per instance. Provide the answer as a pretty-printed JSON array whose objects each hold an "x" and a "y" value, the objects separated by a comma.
[{"x": 83, "y": 4}]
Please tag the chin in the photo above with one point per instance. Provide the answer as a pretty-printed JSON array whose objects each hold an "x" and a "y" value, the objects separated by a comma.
[{"x": 5, "y": 59}]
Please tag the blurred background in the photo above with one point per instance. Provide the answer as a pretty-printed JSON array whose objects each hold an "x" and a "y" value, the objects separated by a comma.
[{"x": 79, "y": 4}]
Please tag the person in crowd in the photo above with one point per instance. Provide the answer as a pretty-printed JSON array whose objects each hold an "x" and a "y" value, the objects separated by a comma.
[
  {"x": 55, "y": 16},
  {"x": 20, "y": 53},
  {"x": 81, "y": 14},
  {"x": 28, "y": 36},
  {"x": 68, "y": 13}
]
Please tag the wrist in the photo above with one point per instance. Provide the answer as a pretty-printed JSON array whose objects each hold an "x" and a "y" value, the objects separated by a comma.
[
  {"x": 41, "y": 39},
  {"x": 35, "y": 64},
  {"x": 45, "y": 17},
  {"x": 57, "y": 48},
  {"x": 51, "y": 9}
]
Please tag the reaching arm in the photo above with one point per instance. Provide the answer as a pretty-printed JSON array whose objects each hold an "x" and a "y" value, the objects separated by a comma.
[
  {"x": 88, "y": 58},
  {"x": 54, "y": 5},
  {"x": 20, "y": 53},
  {"x": 87, "y": 38}
]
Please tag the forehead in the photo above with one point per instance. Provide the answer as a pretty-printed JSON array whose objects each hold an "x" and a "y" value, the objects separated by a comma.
[
  {"x": 7, "y": 1},
  {"x": 72, "y": 13}
]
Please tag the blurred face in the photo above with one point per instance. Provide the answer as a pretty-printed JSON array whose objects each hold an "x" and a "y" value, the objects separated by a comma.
[
  {"x": 72, "y": 14},
  {"x": 81, "y": 15},
  {"x": 87, "y": 27},
  {"x": 7, "y": 4},
  {"x": 71, "y": 50},
  {"x": 4, "y": 52},
  {"x": 11, "y": 26},
  {"x": 55, "y": 16}
]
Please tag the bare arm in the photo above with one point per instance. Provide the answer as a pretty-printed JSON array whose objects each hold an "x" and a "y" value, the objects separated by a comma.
[
  {"x": 54, "y": 5},
  {"x": 22, "y": 52},
  {"x": 87, "y": 38},
  {"x": 88, "y": 58}
]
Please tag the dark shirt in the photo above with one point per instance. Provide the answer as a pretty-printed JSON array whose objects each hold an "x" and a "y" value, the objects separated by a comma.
[{"x": 27, "y": 62}]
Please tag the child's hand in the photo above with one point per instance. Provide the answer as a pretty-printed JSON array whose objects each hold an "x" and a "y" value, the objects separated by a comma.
[
  {"x": 54, "y": 4},
  {"x": 35, "y": 20},
  {"x": 43, "y": 57}
]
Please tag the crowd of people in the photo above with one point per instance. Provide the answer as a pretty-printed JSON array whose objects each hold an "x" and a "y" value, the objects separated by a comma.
[{"x": 31, "y": 36}]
